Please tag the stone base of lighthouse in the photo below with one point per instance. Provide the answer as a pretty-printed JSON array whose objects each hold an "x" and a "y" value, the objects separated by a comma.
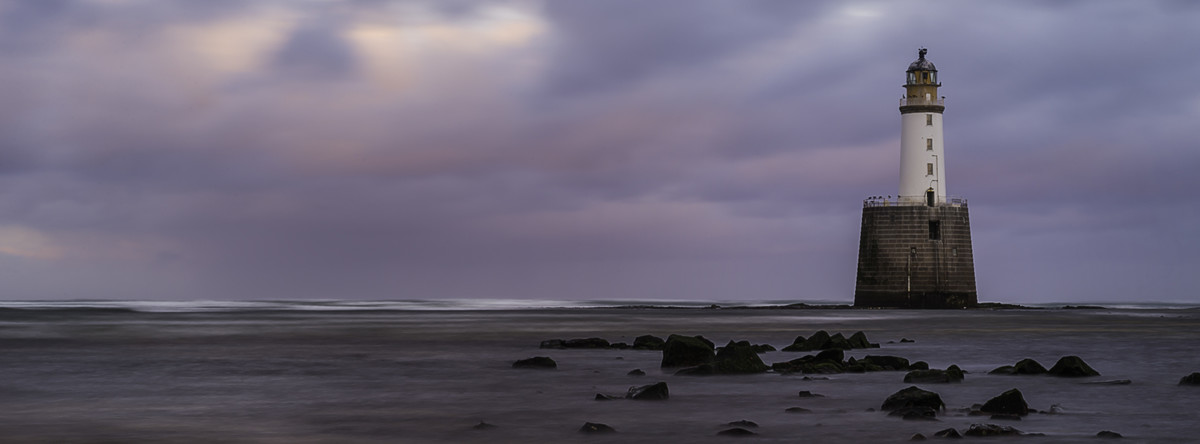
[{"x": 915, "y": 256}]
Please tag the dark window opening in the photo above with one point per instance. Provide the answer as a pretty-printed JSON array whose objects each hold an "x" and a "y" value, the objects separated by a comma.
[{"x": 935, "y": 230}]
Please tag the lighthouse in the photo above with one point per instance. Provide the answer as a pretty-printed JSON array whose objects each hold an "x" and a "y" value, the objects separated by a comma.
[{"x": 915, "y": 251}]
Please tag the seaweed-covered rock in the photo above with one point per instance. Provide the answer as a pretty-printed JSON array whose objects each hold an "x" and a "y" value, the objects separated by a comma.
[
  {"x": 1072, "y": 367},
  {"x": 1028, "y": 366},
  {"x": 540, "y": 362},
  {"x": 859, "y": 340},
  {"x": 1008, "y": 403},
  {"x": 991, "y": 430},
  {"x": 815, "y": 342},
  {"x": 738, "y": 358},
  {"x": 952, "y": 374},
  {"x": 653, "y": 392},
  {"x": 837, "y": 341},
  {"x": 648, "y": 342},
  {"x": 913, "y": 397},
  {"x": 1192, "y": 379},
  {"x": 886, "y": 362},
  {"x": 595, "y": 427},
  {"x": 687, "y": 351}
]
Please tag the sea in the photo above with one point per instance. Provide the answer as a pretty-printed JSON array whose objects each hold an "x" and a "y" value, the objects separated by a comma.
[{"x": 432, "y": 371}]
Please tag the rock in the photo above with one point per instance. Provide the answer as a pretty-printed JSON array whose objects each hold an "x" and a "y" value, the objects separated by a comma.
[
  {"x": 822, "y": 368},
  {"x": 484, "y": 426},
  {"x": 552, "y": 343},
  {"x": 859, "y": 340},
  {"x": 594, "y": 427},
  {"x": 736, "y": 431},
  {"x": 1192, "y": 379},
  {"x": 886, "y": 362},
  {"x": 1028, "y": 367},
  {"x": 815, "y": 342},
  {"x": 919, "y": 365},
  {"x": 743, "y": 423},
  {"x": 604, "y": 397},
  {"x": 1072, "y": 367},
  {"x": 586, "y": 343},
  {"x": 1108, "y": 434},
  {"x": 797, "y": 410},
  {"x": 915, "y": 413},
  {"x": 699, "y": 370},
  {"x": 687, "y": 351},
  {"x": 653, "y": 392},
  {"x": 933, "y": 376},
  {"x": 947, "y": 433},
  {"x": 991, "y": 430},
  {"x": 1010, "y": 403},
  {"x": 1109, "y": 382},
  {"x": 837, "y": 341},
  {"x": 814, "y": 378},
  {"x": 906, "y": 340},
  {"x": 648, "y": 342},
  {"x": 763, "y": 348},
  {"x": 831, "y": 355},
  {"x": 1003, "y": 370},
  {"x": 738, "y": 358},
  {"x": 541, "y": 362},
  {"x": 636, "y": 372},
  {"x": 913, "y": 397},
  {"x": 619, "y": 345},
  {"x": 808, "y": 394},
  {"x": 917, "y": 437}
]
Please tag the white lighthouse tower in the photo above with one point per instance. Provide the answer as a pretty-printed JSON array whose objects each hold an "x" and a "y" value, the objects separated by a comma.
[{"x": 922, "y": 160}]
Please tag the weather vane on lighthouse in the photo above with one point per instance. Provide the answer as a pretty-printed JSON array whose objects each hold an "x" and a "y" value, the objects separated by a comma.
[{"x": 915, "y": 251}]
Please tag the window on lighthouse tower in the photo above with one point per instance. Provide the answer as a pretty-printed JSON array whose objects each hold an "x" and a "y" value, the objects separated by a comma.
[
  {"x": 929, "y": 169},
  {"x": 929, "y": 120},
  {"x": 928, "y": 144}
]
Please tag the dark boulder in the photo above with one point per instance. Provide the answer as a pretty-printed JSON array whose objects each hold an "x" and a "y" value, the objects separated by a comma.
[
  {"x": 586, "y": 343},
  {"x": 738, "y": 358},
  {"x": 483, "y": 426},
  {"x": 838, "y": 342},
  {"x": 552, "y": 343},
  {"x": 815, "y": 342},
  {"x": 1003, "y": 370},
  {"x": 736, "y": 431},
  {"x": 653, "y": 392},
  {"x": 947, "y": 433},
  {"x": 1192, "y": 379},
  {"x": 636, "y": 372},
  {"x": 808, "y": 394},
  {"x": 687, "y": 351},
  {"x": 604, "y": 397},
  {"x": 797, "y": 410},
  {"x": 1072, "y": 367},
  {"x": 1028, "y": 367},
  {"x": 913, "y": 397},
  {"x": 991, "y": 430},
  {"x": 917, "y": 437},
  {"x": 619, "y": 345},
  {"x": 594, "y": 427},
  {"x": 743, "y": 423},
  {"x": 763, "y": 348},
  {"x": 541, "y": 362},
  {"x": 1010, "y": 403},
  {"x": 906, "y": 340},
  {"x": 859, "y": 340},
  {"x": 915, "y": 413},
  {"x": 1108, "y": 434},
  {"x": 648, "y": 342},
  {"x": 831, "y": 355},
  {"x": 886, "y": 362},
  {"x": 919, "y": 365}
]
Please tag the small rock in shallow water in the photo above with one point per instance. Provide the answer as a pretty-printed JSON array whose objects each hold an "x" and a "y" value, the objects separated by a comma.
[
  {"x": 1108, "y": 434},
  {"x": 814, "y": 378},
  {"x": 917, "y": 437},
  {"x": 636, "y": 372},
  {"x": 906, "y": 340},
  {"x": 743, "y": 423},
  {"x": 604, "y": 397},
  {"x": 484, "y": 426},
  {"x": 1192, "y": 379},
  {"x": 1072, "y": 367},
  {"x": 595, "y": 427},
  {"x": 913, "y": 397},
  {"x": 1109, "y": 382},
  {"x": 797, "y": 410},
  {"x": 991, "y": 430},
  {"x": 947, "y": 433},
  {"x": 1008, "y": 403},
  {"x": 541, "y": 362},
  {"x": 736, "y": 431},
  {"x": 808, "y": 394},
  {"x": 915, "y": 413},
  {"x": 653, "y": 392}
]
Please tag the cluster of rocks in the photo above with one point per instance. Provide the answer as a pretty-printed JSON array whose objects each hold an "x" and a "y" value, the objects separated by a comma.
[
  {"x": 834, "y": 360},
  {"x": 644, "y": 342},
  {"x": 700, "y": 357},
  {"x": 934, "y": 376},
  {"x": 821, "y": 340},
  {"x": 1067, "y": 366},
  {"x": 977, "y": 430}
]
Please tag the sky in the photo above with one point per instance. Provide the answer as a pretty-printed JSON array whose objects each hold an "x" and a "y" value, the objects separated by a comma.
[{"x": 582, "y": 150}]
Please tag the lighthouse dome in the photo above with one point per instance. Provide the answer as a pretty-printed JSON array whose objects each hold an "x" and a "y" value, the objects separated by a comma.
[{"x": 921, "y": 64}]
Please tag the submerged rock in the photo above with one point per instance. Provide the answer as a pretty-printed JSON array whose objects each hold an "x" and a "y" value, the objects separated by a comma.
[
  {"x": 808, "y": 394},
  {"x": 738, "y": 358},
  {"x": 1010, "y": 402},
  {"x": 699, "y": 370},
  {"x": 636, "y": 372},
  {"x": 1108, "y": 434},
  {"x": 736, "y": 431},
  {"x": 952, "y": 374},
  {"x": 595, "y": 427},
  {"x": 1028, "y": 366},
  {"x": 540, "y": 362},
  {"x": 797, "y": 410},
  {"x": 1192, "y": 379},
  {"x": 552, "y": 343},
  {"x": 743, "y": 423},
  {"x": 653, "y": 392},
  {"x": 1072, "y": 367},
  {"x": 947, "y": 433},
  {"x": 991, "y": 430},
  {"x": 886, "y": 362},
  {"x": 687, "y": 351},
  {"x": 913, "y": 397},
  {"x": 915, "y": 413},
  {"x": 917, "y": 437},
  {"x": 586, "y": 343},
  {"x": 484, "y": 426}
]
